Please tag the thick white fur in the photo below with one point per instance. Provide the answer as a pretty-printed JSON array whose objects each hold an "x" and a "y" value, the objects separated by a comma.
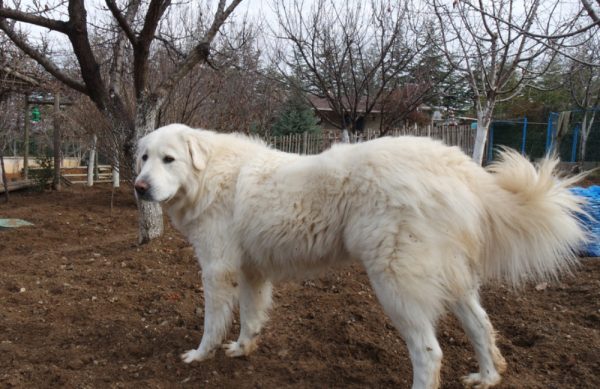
[{"x": 426, "y": 222}]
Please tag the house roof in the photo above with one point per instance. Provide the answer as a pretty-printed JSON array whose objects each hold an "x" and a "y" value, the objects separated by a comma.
[
  {"x": 322, "y": 104},
  {"x": 397, "y": 96}
]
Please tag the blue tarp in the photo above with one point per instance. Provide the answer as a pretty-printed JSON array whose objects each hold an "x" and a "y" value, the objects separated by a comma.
[{"x": 592, "y": 195}]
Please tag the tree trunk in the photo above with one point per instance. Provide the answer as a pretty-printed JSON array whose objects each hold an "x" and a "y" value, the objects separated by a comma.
[
  {"x": 345, "y": 136},
  {"x": 484, "y": 117},
  {"x": 150, "y": 221},
  {"x": 151, "y": 215},
  {"x": 4, "y": 181},
  {"x": 91, "y": 161},
  {"x": 562, "y": 128},
  {"x": 586, "y": 127},
  {"x": 57, "y": 143},
  {"x": 583, "y": 146}
]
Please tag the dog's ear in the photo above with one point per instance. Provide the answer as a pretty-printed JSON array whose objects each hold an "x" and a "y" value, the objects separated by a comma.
[{"x": 197, "y": 152}]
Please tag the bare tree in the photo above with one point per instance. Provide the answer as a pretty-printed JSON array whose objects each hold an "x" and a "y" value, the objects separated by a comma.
[
  {"x": 593, "y": 10},
  {"x": 18, "y": 76},
  {"x": 497, "y": 59},
  {"x": 102, "y": 91},
  {"x": 559, "y": 21},
  {"x": 400, "y": 106},
  {"x": 583, "y": 82},
  {"x": 427, "y": 80},
  {"x": 351, "y": 54},
  {"x": 237, "y": 94}
]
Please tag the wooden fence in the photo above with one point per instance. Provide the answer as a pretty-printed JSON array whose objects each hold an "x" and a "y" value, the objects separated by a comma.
[{"x": 306, "y": 143}]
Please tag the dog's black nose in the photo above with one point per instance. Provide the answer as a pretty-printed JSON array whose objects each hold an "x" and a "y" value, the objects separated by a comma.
[{"x": 141, "y": 187}]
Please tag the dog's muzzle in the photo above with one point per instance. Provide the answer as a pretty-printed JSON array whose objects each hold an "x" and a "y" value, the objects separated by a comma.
[{"x": 142, "y": 189}]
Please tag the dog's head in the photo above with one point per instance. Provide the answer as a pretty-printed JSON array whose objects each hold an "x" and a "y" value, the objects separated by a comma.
[{"x": 166, "y": 160}]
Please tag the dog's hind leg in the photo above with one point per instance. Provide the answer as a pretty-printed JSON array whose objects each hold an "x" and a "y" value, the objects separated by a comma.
[
  {"x": 477, "y": 325},
  {"x": 415, "y": 319},
  {"x": 255, "y": 301}
]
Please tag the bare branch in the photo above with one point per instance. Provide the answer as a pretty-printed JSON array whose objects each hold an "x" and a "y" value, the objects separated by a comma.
[
  {"x": 591, "y": 12},
  {"x": 168, "y": 43},
  {"x": 122, "y": 20},
  {"x": 116, "y": 70},
  {"x": 40, "y": 58},
  {"x": 90, "y": 70},
  {"x": 23, "y": 77},
  {"x": 199, "y": 53},
  {"x": 220, "y": 16},
  {"x": 20, "y": 16},
  {"x": 550, "y": 37},
  {"x": 141, "y": 47},
  {"x": 156, "y": 9}
]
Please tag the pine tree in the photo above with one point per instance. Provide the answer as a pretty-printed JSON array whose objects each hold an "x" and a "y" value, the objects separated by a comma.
[{"x": 296, "y": 117}]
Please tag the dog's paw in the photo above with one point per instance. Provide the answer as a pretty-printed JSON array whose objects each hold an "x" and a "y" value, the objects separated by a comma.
[
  {"x": 476, "y": 381},
  {"x": 195, "y": 355},
  {"x": 234, "y": 349},
  {"x": 239, "y": 349}
]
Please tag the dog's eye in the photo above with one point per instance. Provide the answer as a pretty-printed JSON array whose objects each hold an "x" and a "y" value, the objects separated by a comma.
[
  {"x": 144, "y": 157},
  {"x": 168, "y": 159}
]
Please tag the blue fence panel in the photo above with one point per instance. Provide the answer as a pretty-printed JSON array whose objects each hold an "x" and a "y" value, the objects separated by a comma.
[{"x": 592, "y": 195}]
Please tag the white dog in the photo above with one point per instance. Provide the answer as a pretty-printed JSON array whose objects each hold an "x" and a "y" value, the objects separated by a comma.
[{"x": 426, "y": 222}]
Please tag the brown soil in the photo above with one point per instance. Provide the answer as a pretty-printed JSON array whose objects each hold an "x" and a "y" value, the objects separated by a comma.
[{"x": 82, "y": 305}]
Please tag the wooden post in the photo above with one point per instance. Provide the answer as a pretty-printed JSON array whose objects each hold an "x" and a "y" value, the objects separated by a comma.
[
  {"x": 57, "y": 143},
  {"x": 26, "y": 141},
  {"x": 91, "y": 161},
  {"x": 116, "y": 178},
  {"x": 96, "y": 168},
  {"x": 305, "y": 143}
]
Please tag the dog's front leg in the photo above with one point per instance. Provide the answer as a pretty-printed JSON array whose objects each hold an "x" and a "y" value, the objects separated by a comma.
[{"x": 220, "y": 291}]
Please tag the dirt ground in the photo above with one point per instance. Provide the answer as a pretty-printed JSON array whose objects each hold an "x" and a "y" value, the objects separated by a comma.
[{"x": 82, "y": 305}]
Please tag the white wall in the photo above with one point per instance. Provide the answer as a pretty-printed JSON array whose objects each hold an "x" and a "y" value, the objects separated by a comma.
[{"x": 14, "y": 165}]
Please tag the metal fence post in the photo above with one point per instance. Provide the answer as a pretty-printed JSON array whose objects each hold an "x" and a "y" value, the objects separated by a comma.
[{"x": 574, "y": 146}]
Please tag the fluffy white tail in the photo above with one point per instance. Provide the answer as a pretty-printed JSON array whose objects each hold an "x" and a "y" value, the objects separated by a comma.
[{"x": 534, "y": 227}]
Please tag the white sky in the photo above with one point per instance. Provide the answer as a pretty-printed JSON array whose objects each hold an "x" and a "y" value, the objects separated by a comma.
[{"x": 260, "y": 10}]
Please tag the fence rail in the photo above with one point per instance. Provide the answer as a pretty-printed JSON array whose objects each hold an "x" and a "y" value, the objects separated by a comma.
[{"x": 314, "y": 143}]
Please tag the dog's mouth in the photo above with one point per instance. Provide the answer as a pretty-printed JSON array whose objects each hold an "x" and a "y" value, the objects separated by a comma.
[
  {"x": 178, "y": 195},
  {"x": 145, "y": 197},
  {"x": 168, "y": 199},
  {"x": 150, "y": 198},
  {"x": 150, "y": 195}
]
